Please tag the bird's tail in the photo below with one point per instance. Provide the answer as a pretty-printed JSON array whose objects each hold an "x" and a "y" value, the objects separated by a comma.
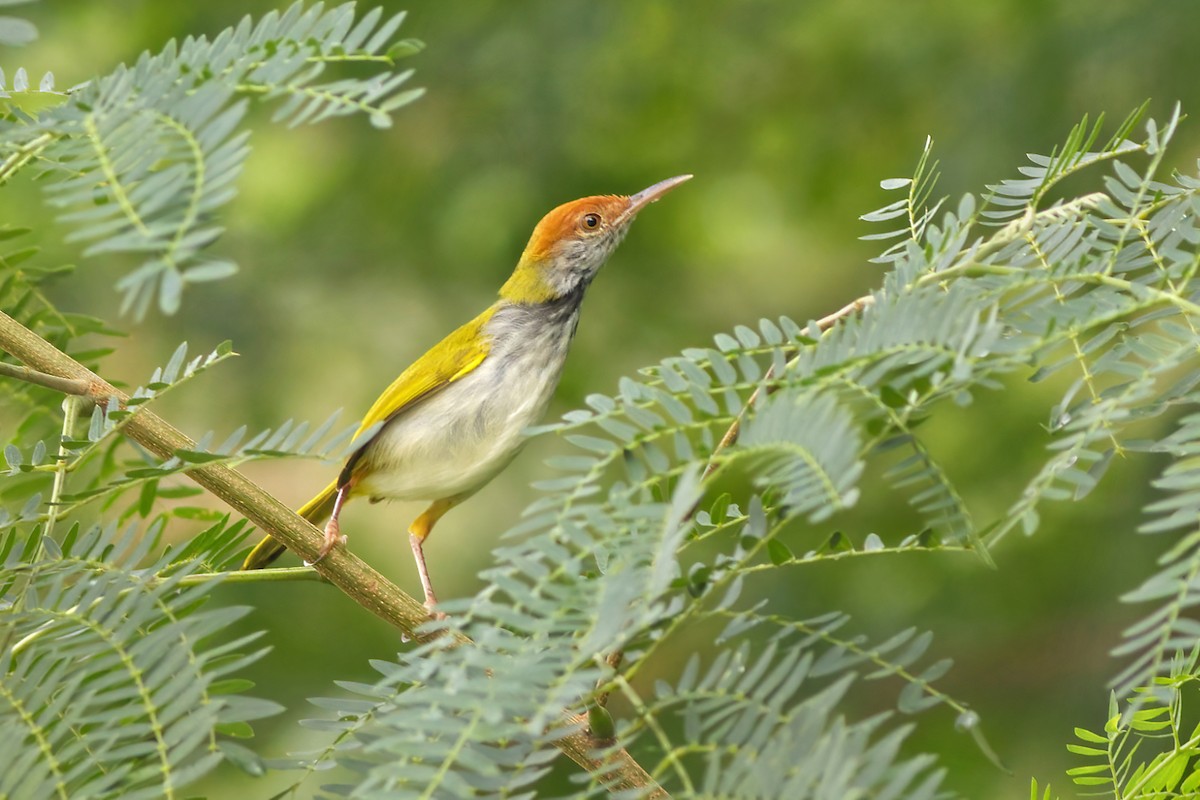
[{"x": 315, "y": 511}]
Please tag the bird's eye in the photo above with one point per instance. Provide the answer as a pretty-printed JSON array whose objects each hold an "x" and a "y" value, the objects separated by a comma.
[{"x": 591, "y": 221}]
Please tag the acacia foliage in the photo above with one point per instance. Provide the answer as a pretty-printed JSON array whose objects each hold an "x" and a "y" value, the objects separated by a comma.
[{"x": 649, "y": 528}]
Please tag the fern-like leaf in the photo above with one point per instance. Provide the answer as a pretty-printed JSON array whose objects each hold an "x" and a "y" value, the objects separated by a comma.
[
  {"x": 112, "y": 677},
  {"x": 143, "y": 158}
]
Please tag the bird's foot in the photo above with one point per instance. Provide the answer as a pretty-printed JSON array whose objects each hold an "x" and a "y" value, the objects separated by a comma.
[
  {"x": 333, "y": 537},
  {"x": 431, "y": 606}
]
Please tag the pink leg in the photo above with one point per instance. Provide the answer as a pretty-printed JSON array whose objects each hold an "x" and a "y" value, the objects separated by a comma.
[
  {"x": 421, "y": 527},
  {"x": 333, "y": 535},
  {"x": 423, "y": 571}
]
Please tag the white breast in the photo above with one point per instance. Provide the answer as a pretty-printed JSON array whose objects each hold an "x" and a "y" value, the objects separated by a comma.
[{"x": 454, "y": 442}]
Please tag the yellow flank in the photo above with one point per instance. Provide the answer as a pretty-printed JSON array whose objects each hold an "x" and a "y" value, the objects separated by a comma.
[{"x": 447, "y": 361}]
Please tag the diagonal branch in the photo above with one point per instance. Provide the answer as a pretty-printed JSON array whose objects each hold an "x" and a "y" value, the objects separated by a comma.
[
  {"x": 46, "y": 365},
  {"x": 345, "y": 570}
]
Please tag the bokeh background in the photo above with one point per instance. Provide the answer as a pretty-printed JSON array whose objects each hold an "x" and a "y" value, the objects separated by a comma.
[{"x": 360, "y": 248}]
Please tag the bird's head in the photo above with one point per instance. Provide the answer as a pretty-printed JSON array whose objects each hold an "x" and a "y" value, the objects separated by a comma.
[{"x": 573, "y": 241}]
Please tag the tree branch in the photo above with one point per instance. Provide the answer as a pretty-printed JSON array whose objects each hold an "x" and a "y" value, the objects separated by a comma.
[
  {"x": 342, "y": 568},
  {"x": 48, "y": 366},
  {"x": 64, "y": 385}
]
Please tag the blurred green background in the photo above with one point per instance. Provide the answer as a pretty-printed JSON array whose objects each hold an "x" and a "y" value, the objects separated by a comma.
[{"x": 360, "y": 248}]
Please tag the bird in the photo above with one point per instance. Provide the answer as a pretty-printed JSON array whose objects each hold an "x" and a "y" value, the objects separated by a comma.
[{"x": 458, "y": 415}]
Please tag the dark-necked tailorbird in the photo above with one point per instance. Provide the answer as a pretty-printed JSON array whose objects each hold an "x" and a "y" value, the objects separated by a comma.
[{"x": 455, "y": 418}]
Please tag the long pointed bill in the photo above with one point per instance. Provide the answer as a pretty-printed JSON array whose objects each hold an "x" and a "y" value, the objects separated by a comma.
[{"x": 647, "y": 196}]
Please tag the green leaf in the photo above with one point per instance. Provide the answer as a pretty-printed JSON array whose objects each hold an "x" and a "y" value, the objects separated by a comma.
[
  {"x": 210, "y": 271},
  {"x": 779, "y": 553},
  {"x": 600, "y": 723},
  {"x": 170, "y": 291},
  {"x": 1086, "y": 751},
  {"x": 404, "y": 48},
  {"x": 1088, "y": 736},
  {"x": 16, "y": 32},
  {"x": 197, "y": 457},
  {"x": 243, "y": 758},
  {"x": 239, "y": 730}
]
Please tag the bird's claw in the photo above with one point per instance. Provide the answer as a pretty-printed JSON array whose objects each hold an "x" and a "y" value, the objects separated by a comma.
[
  {"x": 333, "y": 537},
  {"x": 431, "y": 608}
]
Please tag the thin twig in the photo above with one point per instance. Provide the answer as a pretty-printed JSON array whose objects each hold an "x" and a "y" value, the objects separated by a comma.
[
  {"x": 64, "y": 385},
  {"x": 340, "y": 567},
  {"x": 70, "y": 406},
  {"x": 850, "y": 309},
  {"x": 24, "y": 154}
]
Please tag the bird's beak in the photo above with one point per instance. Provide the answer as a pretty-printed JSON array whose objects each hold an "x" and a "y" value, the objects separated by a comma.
[{"x": 647, "y": 196}]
